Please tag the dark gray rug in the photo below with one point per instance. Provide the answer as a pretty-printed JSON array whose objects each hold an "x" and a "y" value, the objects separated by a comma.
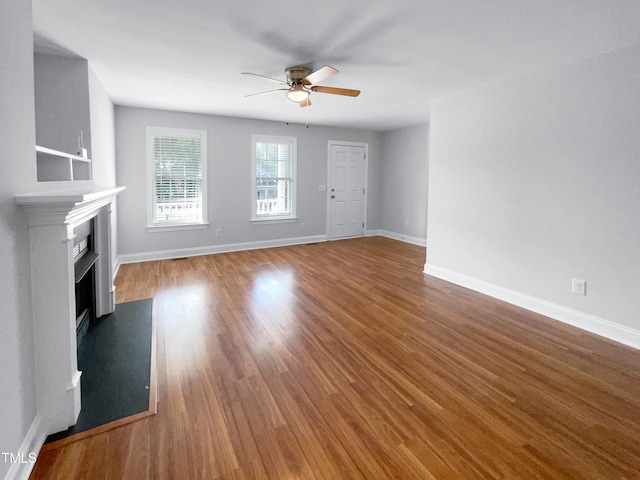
[{"x": 115, "y": 360}]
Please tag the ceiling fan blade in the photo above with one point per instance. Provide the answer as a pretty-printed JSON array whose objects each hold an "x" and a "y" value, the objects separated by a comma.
[
  {"x": 336, "y": 91},
  {"x": 306, "y": 102},
  {"x": 268, "y": 91},
  {"x": 248, "y": 74},
  {"x": 320, "y": 75}
]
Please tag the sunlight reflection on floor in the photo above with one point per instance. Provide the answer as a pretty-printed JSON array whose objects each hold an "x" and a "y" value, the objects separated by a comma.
[{"x": 273, "y": 300}]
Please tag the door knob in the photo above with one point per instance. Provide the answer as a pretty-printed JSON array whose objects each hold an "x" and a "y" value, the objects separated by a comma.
[{"x": 333, "y": 196}]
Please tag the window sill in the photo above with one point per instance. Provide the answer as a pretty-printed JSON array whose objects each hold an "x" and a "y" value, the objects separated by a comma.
[
  {"x": 272, "y": 220},
  {"x": 177, "y": 226}
]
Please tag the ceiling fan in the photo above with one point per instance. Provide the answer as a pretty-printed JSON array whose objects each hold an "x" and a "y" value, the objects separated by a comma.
[{"x": 301, "y": 82}]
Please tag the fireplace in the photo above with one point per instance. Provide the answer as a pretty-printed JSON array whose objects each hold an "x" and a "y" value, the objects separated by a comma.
[{"x": 71, "y": 270}]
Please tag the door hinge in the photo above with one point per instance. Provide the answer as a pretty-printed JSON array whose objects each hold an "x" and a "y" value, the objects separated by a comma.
[
  {"x": 362, "y": 224},
  {"x": 363, "y": 191}
]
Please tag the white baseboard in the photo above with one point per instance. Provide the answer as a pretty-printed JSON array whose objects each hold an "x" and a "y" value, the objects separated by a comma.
[
  {"x": 599, "y": 326},
  {"x": 421, "y": 242},
  {"x": 211, "y": 249},
  {"x": 116, "y": 267},
  {"x": 29, "y": 449}
]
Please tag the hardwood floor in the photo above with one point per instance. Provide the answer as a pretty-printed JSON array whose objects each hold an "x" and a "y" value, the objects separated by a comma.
[{"x": 342, "y": 360}]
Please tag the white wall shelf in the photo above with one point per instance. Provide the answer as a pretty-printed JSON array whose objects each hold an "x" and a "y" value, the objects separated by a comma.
[{"x": 54, "y": 165}]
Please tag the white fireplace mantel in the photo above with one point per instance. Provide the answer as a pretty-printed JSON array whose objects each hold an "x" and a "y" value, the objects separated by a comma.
[
  {"x": 52, "y": 217},
  {"x": 65, "y": 206}
]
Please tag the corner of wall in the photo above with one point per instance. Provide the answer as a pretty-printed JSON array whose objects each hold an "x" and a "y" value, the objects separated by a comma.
[
  {"x": 590, "y": 323},
  {"x": 24, "y": 459}
]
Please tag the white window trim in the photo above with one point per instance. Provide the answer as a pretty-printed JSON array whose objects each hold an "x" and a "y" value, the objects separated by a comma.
[
  {"x": 270, "y": 219},
  {"x": 173, "y": 226}
]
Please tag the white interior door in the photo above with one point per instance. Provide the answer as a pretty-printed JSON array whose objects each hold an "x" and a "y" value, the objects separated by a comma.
[{"x": 347, "y": 192}]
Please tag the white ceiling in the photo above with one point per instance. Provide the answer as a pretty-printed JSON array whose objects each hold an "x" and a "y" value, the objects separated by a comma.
[{"x": 187, "y": 55}]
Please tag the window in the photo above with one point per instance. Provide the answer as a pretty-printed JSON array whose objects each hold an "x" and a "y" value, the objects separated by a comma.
[
  {"x": 273, "y": 172},
  {"x": 177, "y": 162}
]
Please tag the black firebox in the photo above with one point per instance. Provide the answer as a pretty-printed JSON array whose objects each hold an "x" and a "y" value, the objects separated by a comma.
[{"x": 84, "y": 257}]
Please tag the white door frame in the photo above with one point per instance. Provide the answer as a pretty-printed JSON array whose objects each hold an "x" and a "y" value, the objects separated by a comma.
[{"x": 331, "y": 143}]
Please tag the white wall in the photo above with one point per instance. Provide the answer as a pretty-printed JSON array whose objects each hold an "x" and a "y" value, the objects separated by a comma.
[
  {"x": 18, "y": 172},
  {"x": 535, "y": 180},
  {"x": 229, "y": 142},
  {"x": 404, "y": 177}
]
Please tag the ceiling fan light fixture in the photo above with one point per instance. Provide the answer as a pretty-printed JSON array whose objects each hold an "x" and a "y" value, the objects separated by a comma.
[{"x": 297, "y": 93}]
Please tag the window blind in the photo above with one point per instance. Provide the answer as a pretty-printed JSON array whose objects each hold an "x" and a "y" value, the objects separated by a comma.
[{"x": 177, "y": 166}]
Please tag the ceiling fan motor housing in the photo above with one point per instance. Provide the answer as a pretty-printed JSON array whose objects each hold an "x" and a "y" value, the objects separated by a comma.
[{"x": 297, "y": 74}]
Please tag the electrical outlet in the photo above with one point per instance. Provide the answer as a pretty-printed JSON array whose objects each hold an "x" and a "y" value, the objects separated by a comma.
[
  {"x": 406, "y": 224},
  {"x": 579, "y": 287},
  {"x": 303, "y": 225},
  {"x": 218, "y": 232}
]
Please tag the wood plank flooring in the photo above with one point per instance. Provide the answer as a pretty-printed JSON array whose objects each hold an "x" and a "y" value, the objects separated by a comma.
[{"x": 342, "y": 360}]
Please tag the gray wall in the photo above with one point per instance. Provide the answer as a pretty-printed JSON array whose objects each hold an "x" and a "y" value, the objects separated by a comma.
[
  {"x": 102, "y": 132},
  {"x": 229, "y": 157},
  {"x": 62, "y": 102},
  {"x": 535, "y": 180},
  {"x": 103, "y": 145},
  {"x": 18, "y": 167},
  {"x": 405, "y": 164}
]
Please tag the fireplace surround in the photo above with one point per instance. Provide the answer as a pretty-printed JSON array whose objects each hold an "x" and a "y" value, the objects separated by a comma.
[{"x": 53, "y": 218}]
